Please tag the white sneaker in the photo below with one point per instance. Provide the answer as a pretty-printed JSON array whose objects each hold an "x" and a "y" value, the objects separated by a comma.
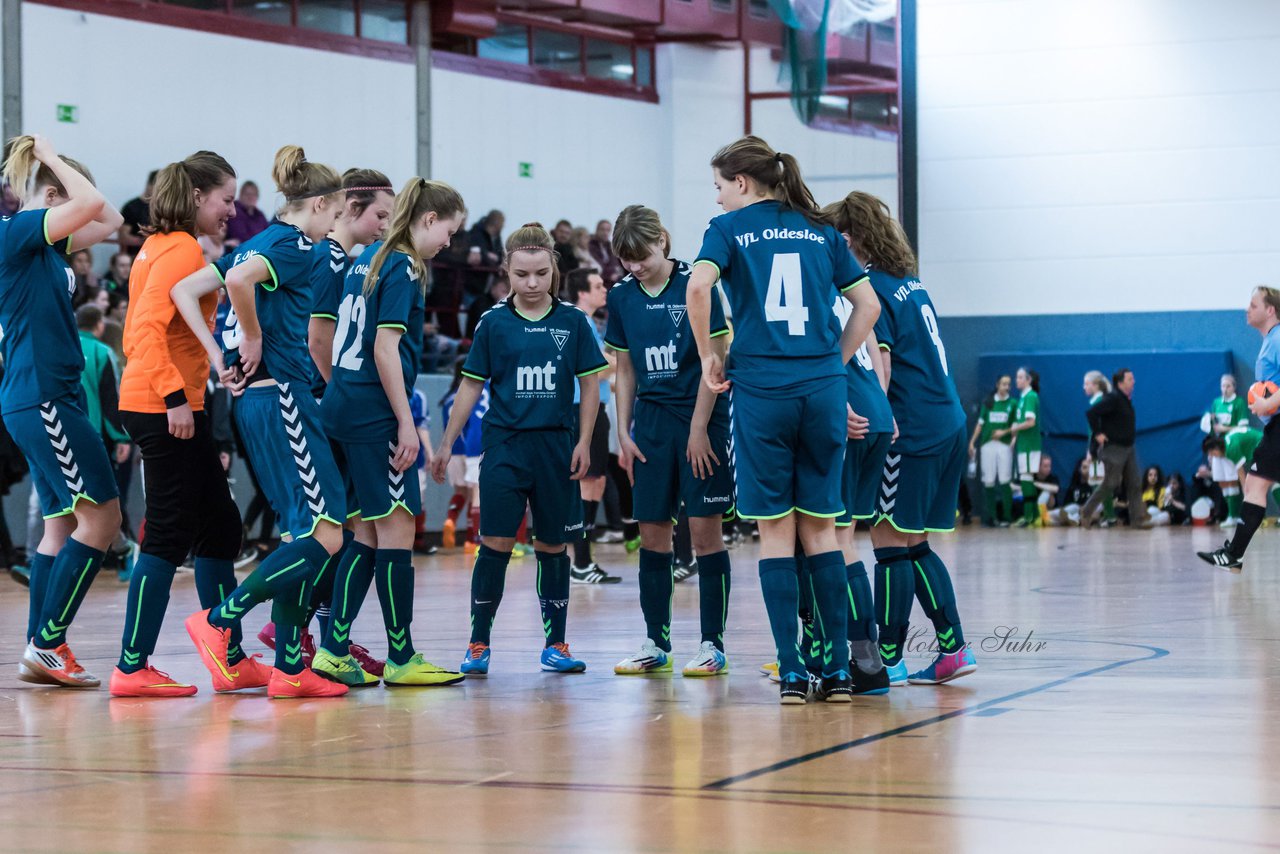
[
  {"x": 649, "y": 659},
  {"x": 709, "y": 661},
  {"x": 1229, "y": 522}
]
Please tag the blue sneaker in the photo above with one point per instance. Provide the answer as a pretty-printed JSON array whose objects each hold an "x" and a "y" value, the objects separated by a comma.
[
  {"x": 556, "y": 659},
  {"x": 897, "y": 673},
  {"x": 945, "y": 667},
  {"x": 476, "y": 662}
]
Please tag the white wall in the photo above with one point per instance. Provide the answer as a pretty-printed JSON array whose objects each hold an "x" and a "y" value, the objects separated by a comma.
[
  {"x": 1098, "y": 155},
  {"x": 592, "y": 155}
]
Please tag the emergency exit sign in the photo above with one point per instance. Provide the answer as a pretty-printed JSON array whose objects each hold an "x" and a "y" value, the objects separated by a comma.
[
  {"x": 525, "y": 170},
  {"x": 68, "y": 113}
]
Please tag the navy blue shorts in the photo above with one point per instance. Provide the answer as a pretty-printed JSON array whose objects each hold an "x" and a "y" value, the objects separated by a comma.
[
  {"x": 291, "y": 457},
  {"x": 918, "y": 494},
  {"x": 531, "y": 468},
  {"x": 789, "y": 452},
  {"x": 66, "y": 454},
  {"x": 863, "y": 471},
  {"x": 665, "y": 481},
  {"x": 374, "y": 488}
]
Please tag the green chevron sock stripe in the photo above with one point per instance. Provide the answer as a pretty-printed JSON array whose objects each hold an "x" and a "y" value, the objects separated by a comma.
[
  {"x": 394, "y": 578},
  {"x": 73, "y": 571}
]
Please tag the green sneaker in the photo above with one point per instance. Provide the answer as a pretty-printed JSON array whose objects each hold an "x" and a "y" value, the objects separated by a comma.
[
  {"x": 343, "y": 669},
  {"x": 417, "y": 671},
  {"x": 633, "y": 546}
]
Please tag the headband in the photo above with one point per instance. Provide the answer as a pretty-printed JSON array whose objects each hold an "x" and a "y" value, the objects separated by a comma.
[
  {"x": 323, "y": 191},
  {"x": 516, "y": 249},
  {"x": 390, "y": 190}
]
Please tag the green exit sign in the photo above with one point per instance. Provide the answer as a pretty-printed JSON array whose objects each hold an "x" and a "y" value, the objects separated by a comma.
[
  {"x": 68, "y": 113},
  {"x": 526, "y": 170}
]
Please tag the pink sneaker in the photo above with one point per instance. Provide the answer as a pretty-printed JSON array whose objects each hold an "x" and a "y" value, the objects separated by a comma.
[{"x": 945, "y": 667}]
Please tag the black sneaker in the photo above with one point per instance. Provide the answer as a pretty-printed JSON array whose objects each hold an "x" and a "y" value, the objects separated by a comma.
[
  {"x": 683, "y": 571},
  {"x": 1222, "y": 559},
  {"x": 870, "y": 684},
  {"x": 837, "y": 688},
  {"x": 592, "y": 574},
  {"x": 793, "y": 690}
]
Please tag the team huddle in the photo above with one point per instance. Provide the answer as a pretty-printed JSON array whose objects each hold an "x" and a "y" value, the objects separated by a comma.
[{"x": 821, "y": 398}]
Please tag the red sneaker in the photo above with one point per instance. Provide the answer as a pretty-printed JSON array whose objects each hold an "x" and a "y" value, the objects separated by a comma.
[
  {"x": 212, "y": 642},
  {"x": 284, "y": 686},
  {"x": 268, "y": 635},
  {"x": 368, "y": 663},
  {"x": 148, "y": 682},
  {"x": 249, "y": 673},
  {"x": 308, "y": 648}
]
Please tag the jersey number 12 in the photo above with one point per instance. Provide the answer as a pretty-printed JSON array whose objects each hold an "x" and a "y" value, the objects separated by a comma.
[{"x": 352, "y": 311}]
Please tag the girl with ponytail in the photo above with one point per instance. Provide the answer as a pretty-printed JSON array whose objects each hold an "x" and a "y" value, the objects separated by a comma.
[
  {"x": 189, "y": 507},
  {"x": 41, "y": 399},
  {"x": 376, "y": 353},
  {"x": 268, "y": 281},
  {"x": 529, "y": 348},
  {"x": 783, "y": 270}
]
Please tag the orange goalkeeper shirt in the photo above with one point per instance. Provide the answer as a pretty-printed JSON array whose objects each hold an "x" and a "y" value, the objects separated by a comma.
[{"x": 164, "y": 357}]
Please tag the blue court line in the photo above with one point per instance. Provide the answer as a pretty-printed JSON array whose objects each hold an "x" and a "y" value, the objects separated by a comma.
[{"x": 1156, "y": 652}]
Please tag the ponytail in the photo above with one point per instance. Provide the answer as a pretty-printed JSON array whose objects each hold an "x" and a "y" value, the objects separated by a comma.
[
  {"x": 418, "y": 198},
  {"x": 1033, "y": 379},
  {"x": 173, "y": 199},
  {"x": 25, "y": 174},
  {"x": 876, "y": 237},
  {"x": 299, "y": 180},
  {"x": 773, "y": 171}
]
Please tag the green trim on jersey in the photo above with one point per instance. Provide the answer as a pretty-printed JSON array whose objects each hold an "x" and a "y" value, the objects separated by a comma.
[
  {"x": 719, "y": 272},
  {"x": 1029, "y": 410},
  {"x": 996, "y": 415}
]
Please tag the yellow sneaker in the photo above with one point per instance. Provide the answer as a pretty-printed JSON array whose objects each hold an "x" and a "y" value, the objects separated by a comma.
[
  {"x": 343, "y": 669},
  {"x": 418, "y": 671},
  {"x": 770, "y": 670}
]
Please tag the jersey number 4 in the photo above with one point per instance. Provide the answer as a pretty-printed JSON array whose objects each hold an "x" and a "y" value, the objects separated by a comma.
[
  {"x": 784, "y": 300},
  {"x": 346, "y": 352}
]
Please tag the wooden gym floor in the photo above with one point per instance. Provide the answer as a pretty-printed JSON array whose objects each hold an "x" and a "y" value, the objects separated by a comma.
[{"x": 1136, "y": 719}]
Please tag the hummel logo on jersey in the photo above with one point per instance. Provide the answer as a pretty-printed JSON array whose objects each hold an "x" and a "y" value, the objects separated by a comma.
[
  {"x": 559, "y": 336},
  {"x": 661, "y": 358},
  {"x": 337, "y": 258},
  {"x": 530, "y": 379},
  {"x": 677, "y": 314},
  {"x": 304, "y": 245}
]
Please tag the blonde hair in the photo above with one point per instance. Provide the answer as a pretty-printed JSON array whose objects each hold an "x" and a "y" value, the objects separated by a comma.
[
  {"x": 418, "y": 197},
  {"x": 877, "y": 238},
  {"x": 1099, "y": 380},
  {"x": 1270, "y": 296},
  {"x": 637, "y": 230},
  {"x": 25, "y": 174},
  {"x": 299, "y": 180},
  {"x": 173, "y": 199},
  {"x": 774, "y": 171},
  {"x": 532, "y": 236}
]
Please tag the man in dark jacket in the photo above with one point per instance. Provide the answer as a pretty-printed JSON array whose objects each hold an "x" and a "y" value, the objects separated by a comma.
[{"x": 1113, "y": 424}]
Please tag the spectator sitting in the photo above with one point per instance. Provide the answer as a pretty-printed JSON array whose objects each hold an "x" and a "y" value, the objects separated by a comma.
[
  {"x": 248, "y": 221},
  {"x": 117, "y": 277},
  {"x": 499, "y": 289},
  {"x": 137, "y": 216},
  {"x": 1078, "y": 492},
  {"x": 1047, "y": 487},
  {"x": 484, "y": 249},
  {"x": 1203, "y": 486},
  {"x": 567, "y": 261},
  {"x": 581, "y": 242},
  {"x": 1175, "y": 500},
  {"x": 86, "y": 280},
  {"x": 602, "y": 254},
  {"x": 437, "y": 348}
]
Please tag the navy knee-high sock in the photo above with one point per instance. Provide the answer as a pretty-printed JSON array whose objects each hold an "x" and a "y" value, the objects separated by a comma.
[
  {"x": 657, "y": 586},
  {"x": 41, "y": 566},
  {"x": 933, "y": 589},
  {"x": 781, "y": 591},
  {"x": 810, "y": 640},
  {"x": 284, "y": 569},
  {"x": 144, "y": 610},
  {"x": 393, "y": 573},
  {"x": 862, "y": 619},
  {"x": 73, "y": 572},
  {"x": 289, "y": 608},
  {"x": 830, "y": 594},
  {"x": 553, "y": 594},
  {"x": 894, "y": 586},
  {"x": 322, "y": 591},
  {"x": 351, "y": 583},
  {"x": 215, "y": 579},
  {"x": 713, "y": 596},
  {"x": 488, "y": 578}
]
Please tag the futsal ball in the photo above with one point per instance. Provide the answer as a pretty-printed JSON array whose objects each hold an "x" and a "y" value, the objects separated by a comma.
[{"x": 1261, "y": 391}]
